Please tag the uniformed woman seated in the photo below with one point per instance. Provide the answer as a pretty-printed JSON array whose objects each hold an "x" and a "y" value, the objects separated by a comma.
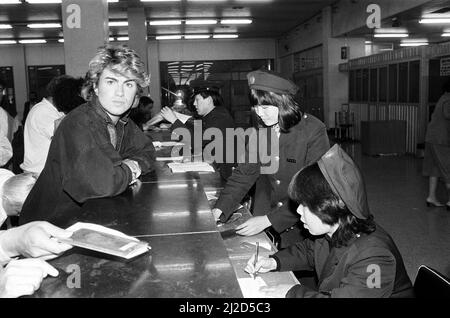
[{"x": 351, "y": 254}]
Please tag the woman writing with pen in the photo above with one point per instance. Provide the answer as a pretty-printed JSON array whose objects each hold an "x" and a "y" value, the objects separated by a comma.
[{"x": 351, "y": 255}]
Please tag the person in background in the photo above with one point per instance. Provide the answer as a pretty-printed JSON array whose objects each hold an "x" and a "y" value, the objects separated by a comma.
[
  {"x": 96, "y": 151},
  {"x": 351, "y": 254},
  {"x": 5, "y": 144},
  {"x": 4, "y": 102},
  {"x": 33, "y": 241},
  {"x": 436, "y": 163},
  {"x": 63, "y": 96},
  {"x": 209, "y": 106},
  {"x": 143, "y": 112},
  {"x": 302, "y": 140},
  {"x": 28, "y": 105}
]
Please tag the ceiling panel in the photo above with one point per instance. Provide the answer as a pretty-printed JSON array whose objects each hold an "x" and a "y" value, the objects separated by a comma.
[{"x": 271, "y": 18}]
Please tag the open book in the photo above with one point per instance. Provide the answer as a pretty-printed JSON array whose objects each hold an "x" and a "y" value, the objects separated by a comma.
[{"x": 102, "y": 239}]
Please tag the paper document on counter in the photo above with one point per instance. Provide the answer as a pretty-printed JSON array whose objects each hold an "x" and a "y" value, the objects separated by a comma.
[
  {"x": 159, "y": 118},
  {"x": 159, "y": 144},
  {"x": 179, "y": 158},
  {"x": 102, "y": 239},
  {"x": 190, "y": 166},
  {"x": 251, "y": 288}
]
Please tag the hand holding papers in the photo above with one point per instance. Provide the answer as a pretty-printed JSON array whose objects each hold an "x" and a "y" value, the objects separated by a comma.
[
  {"x": 102, "y": 239},
  {"x": 159, "y": 118}
]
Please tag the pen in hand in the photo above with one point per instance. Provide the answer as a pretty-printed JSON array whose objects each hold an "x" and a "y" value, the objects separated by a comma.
[{"x": 256, "y": 259}]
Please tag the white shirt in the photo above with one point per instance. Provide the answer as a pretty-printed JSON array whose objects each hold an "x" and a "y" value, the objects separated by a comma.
[
  {"x": 38, "y": 133},
  {"x": 5, "y": 146},
  {"x": 5, "y": 174}
]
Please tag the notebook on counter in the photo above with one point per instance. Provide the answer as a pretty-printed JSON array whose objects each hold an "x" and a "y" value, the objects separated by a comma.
[{"x": 105, "y": 240}]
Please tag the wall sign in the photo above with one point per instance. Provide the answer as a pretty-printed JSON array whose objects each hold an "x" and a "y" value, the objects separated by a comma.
[{"x": 445, "y": 67}]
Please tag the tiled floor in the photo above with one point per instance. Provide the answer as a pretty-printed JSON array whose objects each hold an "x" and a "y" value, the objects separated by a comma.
[{"x": 396, "y": 192}]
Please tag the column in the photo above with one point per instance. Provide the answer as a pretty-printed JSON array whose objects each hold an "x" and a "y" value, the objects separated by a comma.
[
  {"x": 335, "y": 83},
  {"x": 85, "y": 25}
]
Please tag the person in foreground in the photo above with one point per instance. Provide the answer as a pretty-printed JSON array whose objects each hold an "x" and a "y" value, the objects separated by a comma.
[
  {"x": 351, "y": 254},
  {"x": 96, "y": 151},
  {"x": 34, "y": 241}
]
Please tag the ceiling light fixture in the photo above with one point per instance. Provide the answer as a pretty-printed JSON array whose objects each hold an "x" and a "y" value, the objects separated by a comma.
[
  {"x": 42, "y": 2},
  {"x": 5, "y": 26},
  {"x": 123, "y": 38},
  {"x": 391, "y": 35},
  {"x": 435, "y": 21},
  {"x": 159, "y": 0},
  {"x": 225, "y": 36},
  {"x": 446, "y": 34},
  {"x": 61, "y": 40},
  {"x": 10, "y": 2},
  {"x": 197, "y": 36},
  {"x": 111, "y": 39},
  {"x": 168, "y": 37},
  {"x": 414, "y": 44},
  {"x": 200, "y": 22},
  {"x": 44, "y": 25},
  {"x": 8, "y": 42},
  {"x": 236, "y": 21},
  {"x": 117, "y": 23},
  {"x": 35, "y": 41},
  {"x": 165, "y": 22}
]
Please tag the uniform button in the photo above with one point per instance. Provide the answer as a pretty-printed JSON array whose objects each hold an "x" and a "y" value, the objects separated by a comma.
[
  {"x": 279, "y": 204},
  {"x": 277, "y": 182}
]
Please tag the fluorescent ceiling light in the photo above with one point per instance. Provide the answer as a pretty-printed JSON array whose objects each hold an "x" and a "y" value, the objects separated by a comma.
[
  {"x": 171, "y": 63},
  {"x": 414, "y": 44},
  {"x": 44, "y": 25},
  {"x": 32, "y": 41},
  {"x": 123, "y": 38},
  {"x": 10, "y": 2},
  {"x": 61, "y": 40},
  {"x": 201, "y": 21},
  {"x": 165, "y": 22},
  {"x": 118, "y": 23},
  {"x": 225, "y": 36},
  {"x": 43, "y": 1},
  {"x": 446, "y": 34},
  {"x": 5, "y": 26},
  {"x": 415, "y": 41},
  {"x": 8, "y": 42},
  {"x": 113, "y": 1},
  {"x": 197, "y": 36},
  {"x": 436, "y": 15},
  {"x": 435, "y": 21},
  {"x": 168, "y": 37},
  {"x": 235, "y": 21},
  {"x": 391, "y": 35},
  {"x": 159, "y": 0},
  {"x": 111, "y": 39},
  {"x": 368, "y": 42}
]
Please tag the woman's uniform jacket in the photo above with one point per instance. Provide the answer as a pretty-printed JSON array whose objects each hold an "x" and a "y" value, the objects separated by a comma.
[
  {"x": 303, "y": 145},
  {"x": 369, "y": 266}
]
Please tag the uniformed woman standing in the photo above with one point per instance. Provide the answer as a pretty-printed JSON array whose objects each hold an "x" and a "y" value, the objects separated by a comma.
[{"x": 302, "y": 140}]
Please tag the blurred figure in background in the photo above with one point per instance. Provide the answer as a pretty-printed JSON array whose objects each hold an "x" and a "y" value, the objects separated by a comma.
[
  {"x": 63, "y": 96},
  {"x": 143, "y": 112},
  {"x": 436, "y": 163}
]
